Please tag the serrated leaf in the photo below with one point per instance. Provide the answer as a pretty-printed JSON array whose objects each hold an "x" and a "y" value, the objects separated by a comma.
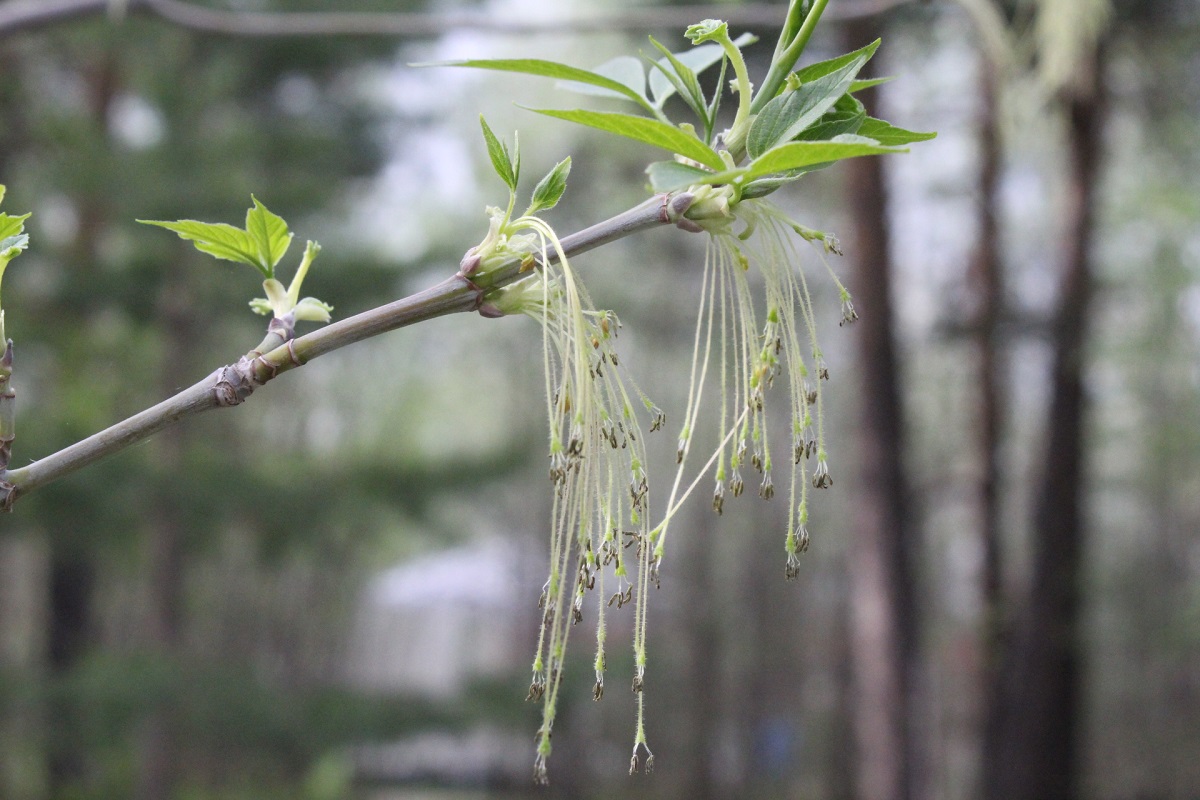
[
  {"x": 823, "y": 68},
  {"x": 888, "y": 134},
  {"x": 498, "y": 153},
  {"x": 268, "y": 234},
  {"x": 547, "y": 69},
  {"x": 550, "y": 188},
  {"x": 217, "y": 239},
  {"x": 649, "y": 131},
  {"x": 802, "y": 155},
  {"x": 11, "y": 226},
  {"x": 783, "y": 119},
  {"x": 667, "y": 176},
  {"x": 625, "y": 70}
]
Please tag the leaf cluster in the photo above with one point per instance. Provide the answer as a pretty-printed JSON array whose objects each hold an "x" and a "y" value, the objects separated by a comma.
[
  {"x": 810, "y": 120},
  {"x": 507, "y": 164}
]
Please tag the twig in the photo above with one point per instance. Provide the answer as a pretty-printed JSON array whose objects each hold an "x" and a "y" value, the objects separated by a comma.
[{"x": 232, "y": 384}]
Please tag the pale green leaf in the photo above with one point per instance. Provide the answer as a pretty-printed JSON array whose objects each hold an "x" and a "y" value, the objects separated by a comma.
[
  {"x": 625, "y": 70},
  {"x": 269, "y": 235},
  {"x": 11, "y": 246},
  {"x": 547, "y": 69},
  {"x": 667, "y": 176},
  {"x": 498, "y": 153},
  {"x": 695, "y": 60},
  {"x": 641, "y": 129},
  {"x": 310, "y": 309},
  {"x": 550, "y": 188}
]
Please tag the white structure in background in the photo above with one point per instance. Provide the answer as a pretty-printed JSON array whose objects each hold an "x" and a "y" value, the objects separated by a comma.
[
  {"x": 433, "y": 625},
  {"x": 430, "y": 627}
]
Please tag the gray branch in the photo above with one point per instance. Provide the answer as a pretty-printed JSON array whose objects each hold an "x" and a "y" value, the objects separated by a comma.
[{"x": 232, "y": 384}]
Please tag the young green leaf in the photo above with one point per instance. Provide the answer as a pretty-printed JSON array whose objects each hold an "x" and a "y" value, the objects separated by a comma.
[
  {"x": 783, "y": 119},
  {"x": 866, "y": 83},
  {"x": 846, "y": 116},
  {"x": 650, "y": 131},
  {"x": 669, "y": 75},
  {"x": 798, "y": 155},
  {"x": 548, "y": 69},
  {"x": 269, "y": 234},
  {"x": 264, "y": 241},
  {"x": 501, "y": 159},
  {"x": 550, "y": 188},
  {"x": 822, "y": 68},
  {"x": 693, "y": 61},
  {"x": 11, "y": 226},
  {"x": 217, "y": 239},
  {"x": 667, "y": 176},
  {"x": 625, "y": 70},
  {"x": 887, "y": 134}
]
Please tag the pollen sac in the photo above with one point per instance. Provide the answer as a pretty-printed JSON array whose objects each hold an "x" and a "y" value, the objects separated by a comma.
[
  {"x": 821, "y": 478},
  {"x": 718, "y": 503},
  {"x": 767, "y": 490},
  {"x": 736, "y": 484}
]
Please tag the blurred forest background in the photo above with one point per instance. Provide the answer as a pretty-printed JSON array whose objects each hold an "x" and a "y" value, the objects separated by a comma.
[{"x": 330, "y": 592}]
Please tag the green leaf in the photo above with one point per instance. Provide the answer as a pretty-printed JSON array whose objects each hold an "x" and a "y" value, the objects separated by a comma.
[
  {"x": 888, "y": 134},
  {"x": 823, "y": 68},
  {"x": 217, "y": 239},
  {"x": 11, "y": 226},
  {"x": 550, "y": 188},
  {"x": 667, "y": 176},
  {"x": 787, "y": 115},
  {"x": 10, "y": 246},
  {"x": 867, "y": 83},
  {"x": 693, "y": 61},
  {"x": 670, "y": 74},
  {"x": 498, "y": 152},
  {"x": 547, "y": 69},
  {"x": 806, "y": 155},
  {"x": 846, "y": 116},
  {"x": 269, "y": 235},
  {"x": 650, "y": 131},
  {"x": 625, "y": 70}
]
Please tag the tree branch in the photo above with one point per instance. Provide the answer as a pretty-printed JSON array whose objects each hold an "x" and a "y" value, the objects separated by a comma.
[
  {"x": 20, "y": 15},
  {"x": 231, "y": 385}
]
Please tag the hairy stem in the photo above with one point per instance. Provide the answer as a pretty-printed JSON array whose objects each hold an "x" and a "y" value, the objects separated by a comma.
[{"x": 230, "y": 385}]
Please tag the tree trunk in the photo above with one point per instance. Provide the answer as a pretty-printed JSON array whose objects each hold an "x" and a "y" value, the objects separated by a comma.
[
  {"x": 987, "y": 288},
  {"x": 883, "y": 610},
  {"x": 1038, "y": 706}
]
